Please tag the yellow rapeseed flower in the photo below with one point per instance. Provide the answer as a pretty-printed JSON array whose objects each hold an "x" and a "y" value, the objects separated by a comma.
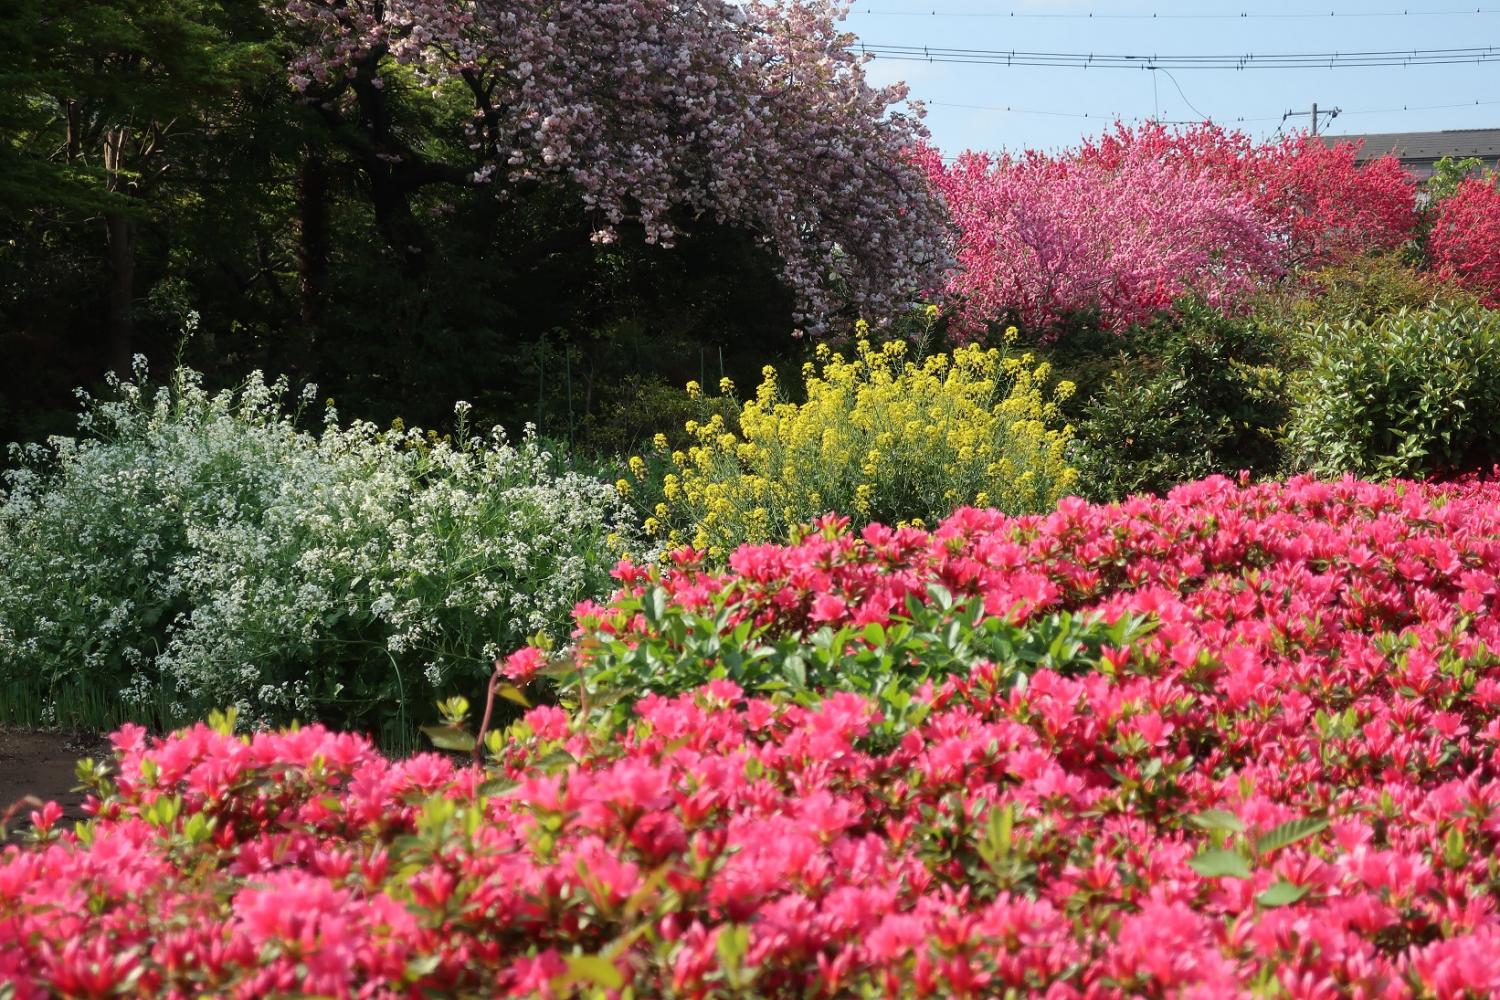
[{"x": 880, "y": 437}]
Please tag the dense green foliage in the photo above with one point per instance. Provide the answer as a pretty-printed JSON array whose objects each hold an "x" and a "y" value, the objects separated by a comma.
[
  {"x": 1192, "y": 394},
  {"x": 1363, "y": 290},
  {"x": 1412, "y": 394},
  {"x": 1199, "y": 392},
  {"x": 199, "y": 550},
  {"x": 926, "y": 641}
]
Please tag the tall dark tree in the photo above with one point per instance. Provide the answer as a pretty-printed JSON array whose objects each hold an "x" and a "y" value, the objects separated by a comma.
[{"x": 113, "y": 86}]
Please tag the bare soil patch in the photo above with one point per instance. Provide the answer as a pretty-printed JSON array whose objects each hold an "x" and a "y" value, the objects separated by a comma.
[{"x": 40, "y": 764}]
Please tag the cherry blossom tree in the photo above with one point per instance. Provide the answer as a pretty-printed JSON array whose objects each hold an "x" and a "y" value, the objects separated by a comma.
[{"x": 653, "y": 114}]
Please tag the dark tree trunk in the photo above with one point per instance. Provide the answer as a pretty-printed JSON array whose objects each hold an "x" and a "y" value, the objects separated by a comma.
[
  {"x": 312, "y": 237},
  {"x": 120, "y": 233},
  {"x": 393, "y": 172},
  {"x": 75, "y": 140},
  {"x": 119, "y": 230},
  {"x": 390, "y": 197}
]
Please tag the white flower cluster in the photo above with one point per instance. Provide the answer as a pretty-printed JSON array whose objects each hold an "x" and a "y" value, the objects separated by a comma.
[{"x": 198, "y": 550}]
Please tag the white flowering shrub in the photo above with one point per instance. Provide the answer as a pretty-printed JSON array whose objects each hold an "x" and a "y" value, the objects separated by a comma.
[{"x": 198, "y": 550}]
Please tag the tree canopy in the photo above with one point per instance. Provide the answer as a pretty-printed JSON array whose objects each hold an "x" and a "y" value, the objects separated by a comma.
[{"x": 392, "y": 196}]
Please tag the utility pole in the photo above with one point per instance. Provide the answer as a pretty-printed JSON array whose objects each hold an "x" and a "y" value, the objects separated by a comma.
[{"x": 1331, "y": 115}]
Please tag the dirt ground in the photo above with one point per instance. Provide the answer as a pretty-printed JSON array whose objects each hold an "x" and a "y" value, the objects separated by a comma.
[{"x": 41, "y": 764}]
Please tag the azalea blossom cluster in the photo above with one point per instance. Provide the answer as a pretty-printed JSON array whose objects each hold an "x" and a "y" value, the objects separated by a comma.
[
  {"x": 753, "y": 113},
  {"x": 1287, "y": 787},
  {"x": 1129, "y": 222}
]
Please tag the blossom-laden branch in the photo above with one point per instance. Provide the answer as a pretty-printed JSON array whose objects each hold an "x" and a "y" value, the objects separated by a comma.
[{"x": 752, "y": 114}]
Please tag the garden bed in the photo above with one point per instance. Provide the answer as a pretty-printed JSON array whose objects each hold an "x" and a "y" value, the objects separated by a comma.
[{"x": 845, "y": 767}]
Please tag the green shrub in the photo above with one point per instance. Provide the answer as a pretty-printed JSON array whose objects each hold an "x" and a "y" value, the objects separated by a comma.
[
  {"x": 198, "y": 550},
  {"x": 1413, "y": 394},
  {"x": 930, "y": 638},
  {"x": 1448, "y": 173},
  {"x": 1087, "y": 358},
  {"x": 1190, "y": 395},
  {"x": 644, "y": 408},
  {"x": 1363, "y": 289}
]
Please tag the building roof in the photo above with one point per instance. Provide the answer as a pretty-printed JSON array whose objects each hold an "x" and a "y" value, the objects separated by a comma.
[{"x": 1426, "y": 147}]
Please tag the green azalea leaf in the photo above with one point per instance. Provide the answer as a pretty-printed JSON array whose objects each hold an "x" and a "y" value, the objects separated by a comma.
[
  {"x": 447, "y": 738},
  {"x": 416, "y": 968},
  {"x": 555, "y": 761},
  {"x": 496, "y": 786},
  {"x": 1220, "y": 863},
  {"x": 1217, "y": 819},
  {"x": 512, "y": 693},
  {"x": 1288, "y": 833},
  {"x": 590, "y": 969},
  {"x": 1282, "y": 893}
]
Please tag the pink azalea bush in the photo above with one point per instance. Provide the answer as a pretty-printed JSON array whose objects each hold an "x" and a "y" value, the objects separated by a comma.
[
  {"x": 1129, "y": 222},
  {"x": 1287, "y": 786}
]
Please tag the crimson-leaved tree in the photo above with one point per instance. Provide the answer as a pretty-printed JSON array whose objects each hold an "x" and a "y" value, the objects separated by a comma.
[
  {"x": 1465, "y": 240},
  {"x": 653, "y": 114}
]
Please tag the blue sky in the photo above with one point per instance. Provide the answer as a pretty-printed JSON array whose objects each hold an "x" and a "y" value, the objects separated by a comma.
[{"x": 1044, "y": 99}]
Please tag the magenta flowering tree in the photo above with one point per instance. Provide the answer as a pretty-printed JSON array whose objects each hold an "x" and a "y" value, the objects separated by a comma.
[
  {"x": 652, "y": 114},
  {"x": 1139, "y": 216},
  {"x": 1324, "y": 202},
  {"x": 1042, "y": 237}
]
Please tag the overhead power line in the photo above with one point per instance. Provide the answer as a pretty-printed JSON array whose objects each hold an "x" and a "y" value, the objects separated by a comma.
[
  {"x": 1139, "y": 16},
  {"x": 1421, "y": 107},
  {"x": 1249, "y": 60},
  {"x": 1105, "y": 116},
  {"x": 1238, "y": 120},
  {"x": 1179, "y": 91},
  {"x": 1013, "y": 109}
]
